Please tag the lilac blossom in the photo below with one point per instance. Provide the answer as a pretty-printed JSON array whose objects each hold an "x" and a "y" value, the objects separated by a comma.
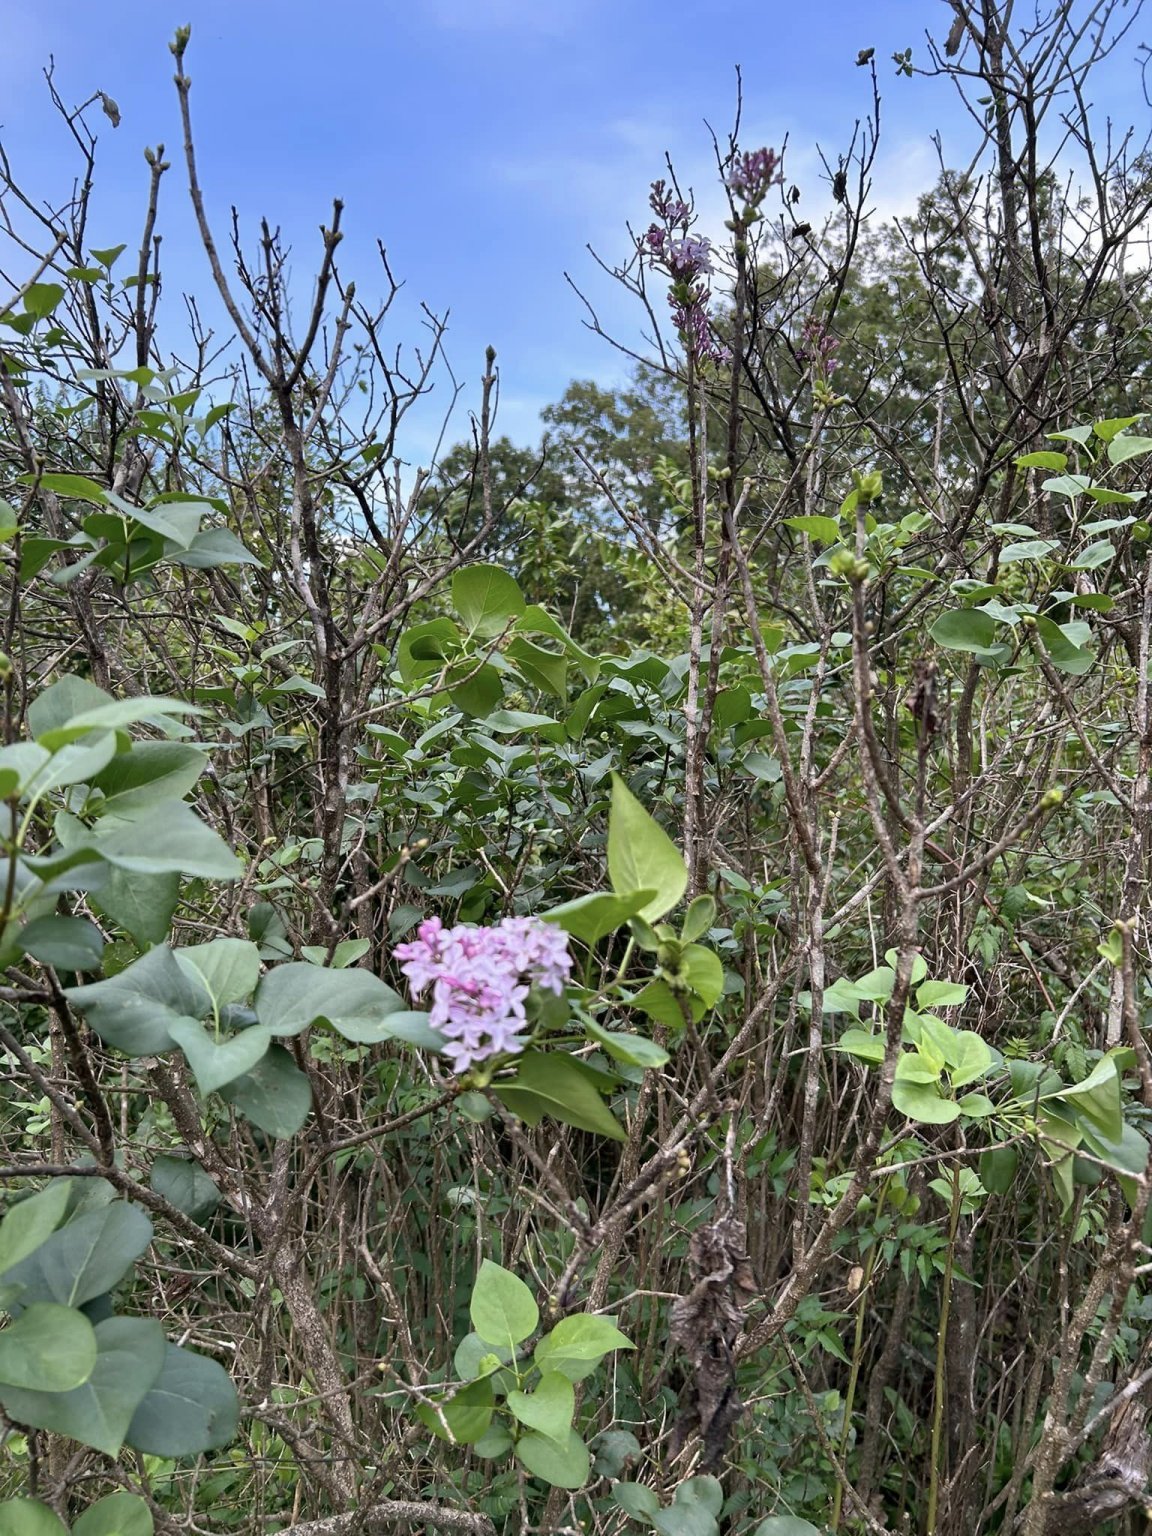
[
  {"x": 752, "y": 173},
  {"x": 670, "y": 209},
  {"x": 480, "y": 978},
  {"x": 819, "y": 350},
  {"x": 687, "y": 260}
]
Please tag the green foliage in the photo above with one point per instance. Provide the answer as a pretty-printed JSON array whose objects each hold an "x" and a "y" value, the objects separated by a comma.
[
  {"x": 535, "y": 1419},
  {"x": 765, "y": 681}
]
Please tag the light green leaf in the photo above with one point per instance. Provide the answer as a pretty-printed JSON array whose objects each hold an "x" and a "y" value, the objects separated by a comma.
[
  {"x": 564, "y": 1466},
  {"x": 117, "y": 1514},
  {"x": 486, "y": 597},
  {"x": 215, "y": 1063},
  {"x": 346, "y": 953},
  {"x": 214, "y": 547},
  {"x": 1122, "y": 448},
  {"x": 228, "y": 969},
  {"x": 977, "y": 1106},
  {"x": 641, "y": 855},
  {"x": 153, "y": 772},
  {"x": 921, "y": 1102},
  {"x": 940, "y": 994},
  {"x": 507, "y": 722},
  {"x": 965, "y": 629},
  {"x": 592, "y": 917},
  {"x": 28, "y": 1517},
  {"x": 170, "y": 838},
  {"x": 1107, "y": 430},
  {"x": 49, "y": 1347},
  {"x": 40, "y": 299},
  {"x": 503, "y": 1310},
  {"x": 476, "y": 1357},
  {"x": 862, "y": 1044},
  {"x": 1046, "y": 458},
  {"x": 969, "y": 1057},
  {"x": 549, "y": 1408},
  {"x": 823, "y": 530},
  {"x": 786, "y": 1525},
  {"x": 1098, "y": 1097},
  {"x": 27, "y": 1223},
  {"x": 660, "y": 1003},
  {"x": 578, "y": 1343},
  {"x": 703, "y": 972},
  {"x": 1028, "y": 549},
  {"x": 634, "y": 1050},
  {"x": 543, "y": 669}
]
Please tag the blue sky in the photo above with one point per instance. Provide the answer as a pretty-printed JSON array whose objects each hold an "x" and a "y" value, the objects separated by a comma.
[{"x": 486, "y": 142}]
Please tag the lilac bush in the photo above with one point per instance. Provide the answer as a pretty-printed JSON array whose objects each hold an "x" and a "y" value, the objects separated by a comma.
[{"x": 480, "y": 978}]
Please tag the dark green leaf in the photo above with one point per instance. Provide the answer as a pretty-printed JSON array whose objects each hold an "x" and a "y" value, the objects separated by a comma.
[
  {"x": 191, "y": 1407},
  {"x": 140, "y": 904},
  {"x": 185, "y": 1185},
  {"x": 130, "y": 1356},
  {"x": 557, "y": 1085},
  {"x": 463, "y": 1419},
  {"x": 68, "y": 943},
  {"x": 133, "y": 1009},
  {"x": 355, "y": 1003},
  {"x": 85, "y": 1257},
  {"x": 274, "y": 1095}
]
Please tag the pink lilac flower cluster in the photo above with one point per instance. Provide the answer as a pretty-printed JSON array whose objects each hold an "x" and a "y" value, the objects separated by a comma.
[
  {"x": 752, "y": 174},
  {"x": 687, "y": 259},
  {"x": 480, "y": 978}
]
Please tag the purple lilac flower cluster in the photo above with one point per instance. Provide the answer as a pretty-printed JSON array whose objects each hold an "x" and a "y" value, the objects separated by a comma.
[
  {"x": 480, "y": 978},
  {"x": 819, "y": 349},
  {"x": 752, "y": 174},
  {"x": 687, "y": 259}
]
